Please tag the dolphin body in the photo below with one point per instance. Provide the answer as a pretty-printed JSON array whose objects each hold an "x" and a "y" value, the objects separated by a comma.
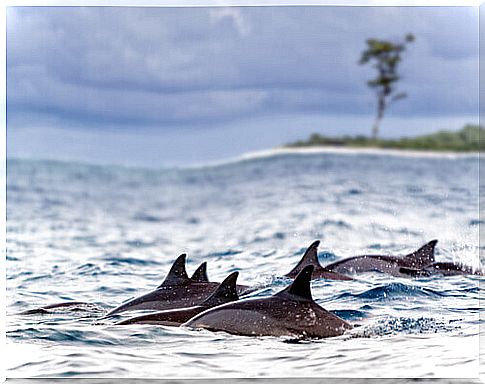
[
  {"x": 391, "y": 264},
  {"x": 65, "y": 306},
  {"x": 291, "y": 312},
  {"x": 441, "y": 268},
  {"x": 178, "y": 290},
  {"x": 310, "y": 257},
  {"x": 225, "y": 293}
]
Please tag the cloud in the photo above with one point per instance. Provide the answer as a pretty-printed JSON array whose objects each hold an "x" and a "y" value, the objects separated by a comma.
[
  {"x": 236, "y": 17},
  {"x": 134, "y": 67}
]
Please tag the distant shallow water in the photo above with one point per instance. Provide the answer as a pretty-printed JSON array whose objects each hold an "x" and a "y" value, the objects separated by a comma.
[
  {"x": 103, "y": 234},
  {"x": 343, "y": 150}
]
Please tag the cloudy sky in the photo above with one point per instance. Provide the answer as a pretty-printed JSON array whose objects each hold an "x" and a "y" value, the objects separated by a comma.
[{"x": 158, "y": 86}]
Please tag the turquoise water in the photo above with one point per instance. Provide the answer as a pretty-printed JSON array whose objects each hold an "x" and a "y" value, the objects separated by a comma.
[{"x": 104, "y": 234}]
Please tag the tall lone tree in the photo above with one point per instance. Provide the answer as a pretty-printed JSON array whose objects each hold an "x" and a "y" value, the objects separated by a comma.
[{"x": 386, "y": 56}]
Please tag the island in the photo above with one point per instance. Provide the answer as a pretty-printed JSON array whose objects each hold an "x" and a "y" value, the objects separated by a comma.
[{"x": 466, "y": 139}]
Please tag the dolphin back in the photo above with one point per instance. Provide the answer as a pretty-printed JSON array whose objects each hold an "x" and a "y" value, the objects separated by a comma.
[
  {"x": 310, "y": 257},
  {"x": 441, "y": 268},
  {"x": 412, "y": 272},
  {"x": 300, "y": 288},
  {"x": 67, "y": 306},
  {"x": 200, "y": 274},
  {"x": 225, "y": 292},
  {"x": 291, "y": 312},
  {"x": 422, "y": 257},
  {"x": 177, "y": 274},
  {"x": 171, "y": 317}
]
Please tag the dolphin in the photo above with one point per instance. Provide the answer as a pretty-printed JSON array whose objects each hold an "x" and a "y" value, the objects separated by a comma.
[
  {"x": 226, "y": 292},
  {"x": 65, "y": 306},
  {"x": 444, "y": 268},
  {"x": 200, "y": 274},
  {"x": 290, "y": 312},
  {"x": 387, "y": 263},
  {"x": 310, "y": 257},
  {"x": 178, "y": 290}
]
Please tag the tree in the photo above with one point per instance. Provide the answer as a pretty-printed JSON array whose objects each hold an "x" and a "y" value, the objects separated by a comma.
[{"x": 386, "y": 56}]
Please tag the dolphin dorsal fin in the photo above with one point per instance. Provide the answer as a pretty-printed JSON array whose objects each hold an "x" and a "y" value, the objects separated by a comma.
[
  {"x": 423, "y": 256},
  {"x": 310, "y": 257},
  {"x": 225, "y": 292},
  {"x": 177, "y": 274},
  {"x": 200, "y": 274},
  {"x": 301, "y": 285}
]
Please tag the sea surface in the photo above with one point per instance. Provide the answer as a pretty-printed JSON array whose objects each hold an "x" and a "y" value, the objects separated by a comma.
[{"x": 104, "y": 234}]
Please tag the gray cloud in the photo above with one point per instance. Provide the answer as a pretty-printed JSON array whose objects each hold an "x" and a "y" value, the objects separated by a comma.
[{"x": 169, "y": 66}]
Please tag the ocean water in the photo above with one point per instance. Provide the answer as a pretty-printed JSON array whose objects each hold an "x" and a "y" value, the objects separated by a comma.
[{"x": 104, "y": 234}]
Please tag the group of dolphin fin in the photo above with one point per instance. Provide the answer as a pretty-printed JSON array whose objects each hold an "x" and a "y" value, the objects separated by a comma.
[{"x": 198, "y": 303}]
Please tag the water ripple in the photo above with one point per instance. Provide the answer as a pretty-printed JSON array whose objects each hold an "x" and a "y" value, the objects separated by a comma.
[{"x": 103, "y": 234}]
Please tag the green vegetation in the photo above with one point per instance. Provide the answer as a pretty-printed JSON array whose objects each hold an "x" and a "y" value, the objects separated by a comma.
[{"x": 466, "y": 139}]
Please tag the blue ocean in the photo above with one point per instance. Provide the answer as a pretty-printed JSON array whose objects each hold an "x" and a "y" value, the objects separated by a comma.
[{"x": 104, "y": 234}]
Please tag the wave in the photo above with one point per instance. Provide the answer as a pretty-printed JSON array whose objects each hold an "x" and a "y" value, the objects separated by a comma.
[
  {"x": 359, "y": 151},
  {"x": 258, "y": 155},
  {"x": 402, "y": 325},
  {"x": 65, "y": 336},
  {"x": 391, "y": 291},
  {"x": 312, "y": 151}
]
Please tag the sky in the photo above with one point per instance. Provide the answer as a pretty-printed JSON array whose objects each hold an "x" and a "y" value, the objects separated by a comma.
[{"x": 158, "y": 86}]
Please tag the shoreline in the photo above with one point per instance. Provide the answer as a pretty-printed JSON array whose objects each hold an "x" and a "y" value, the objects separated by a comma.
[
  {"x": 347, "y": 151},
  {"x": 359, "y": 151}
]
